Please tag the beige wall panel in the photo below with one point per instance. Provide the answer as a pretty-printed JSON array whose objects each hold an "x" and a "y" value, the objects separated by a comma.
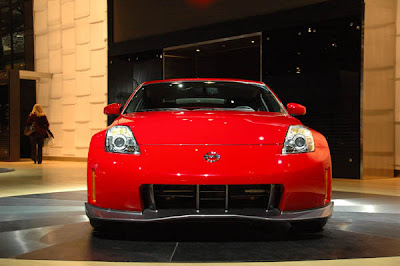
[
  {"x": 98, "y": 40},
  {"x": 83, "y": 83},
  {"x": 95, "y": 131},
  {"x": 41, "y": 47},
  {"x": 46, "y": 151},
  {"x": 378, "y": 53},
  {"x": 397, "y": 147},
  {"x": 379, "y": 89},
  {"x": 105, "y": 28},
  {"x": 43, "y": 93},
  {"x": 397, "y": 99},
  {"x": 98, "y": 118},
  {"x": 83, "y": 111},
  {"x": 56, "y": 86},
  {"x": 398, "y": 57},
  {"x": 82, "y": 137},
  {"x": 69, "y": 87},
  {"x": 378, "y": 92},
  {"x": 379, "y": 166},
  {"x": 55, "y": 112},
  {"x": 82, "y": 57},
  {"x": 40, "y": 22},
  {"x": 382, "y": 12},
  {"x": 67, "y": 15},
  {"x": 82, "y": 8},
  {"x": 98, "y": 87},
  {"x": 40, "y": 5},
  {"x": 99, "y": 62},
  {"x": 53, "y": 12},
  {"x": 54, "y": 39},
  {"x": 397, "y": 120},
  {"x": 82, "y": 152},
  {"x": 68, "y": 66},
  {"x": 397, "y": 91},
  {"x": 58, "y": 133},
  {"x": 42, "y": 65},
  {"x": 68, "y": 41},
  {"x": 69, "y": 143},
  {"x": 82, "y": 31},
  {"x": 97, "y": 13},
  {"x": 55, "y": 62},
  {"x": 66, "y": 32},
  {"x": 68, "y": 119},
  {"x": 380, "y": 134},
  {"x": 53, "y": 151},
  {"x": 398, "y": 18}
]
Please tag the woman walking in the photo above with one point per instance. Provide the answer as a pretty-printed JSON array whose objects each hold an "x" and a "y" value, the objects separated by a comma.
[{"x": 38, "y": 117}]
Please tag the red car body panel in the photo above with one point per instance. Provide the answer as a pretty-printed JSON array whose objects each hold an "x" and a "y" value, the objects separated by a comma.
[{"x": 172, "y": 146}]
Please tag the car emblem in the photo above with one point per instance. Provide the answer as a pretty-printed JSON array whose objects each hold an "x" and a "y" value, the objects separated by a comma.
[{"x": 212, "y": 157}]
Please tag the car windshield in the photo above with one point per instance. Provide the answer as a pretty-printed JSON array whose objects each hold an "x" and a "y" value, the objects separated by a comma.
[{"x": 209, "y": 95}]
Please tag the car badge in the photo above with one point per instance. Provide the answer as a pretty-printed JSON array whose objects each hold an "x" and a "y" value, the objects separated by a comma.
[{"x": 212, "y": 157}]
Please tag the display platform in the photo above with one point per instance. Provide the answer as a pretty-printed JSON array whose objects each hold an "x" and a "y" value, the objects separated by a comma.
[{"x": 54, "y": 226}]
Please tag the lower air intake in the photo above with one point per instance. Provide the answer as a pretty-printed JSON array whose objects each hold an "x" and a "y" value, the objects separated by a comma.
[{"x": 200, "y": 197}]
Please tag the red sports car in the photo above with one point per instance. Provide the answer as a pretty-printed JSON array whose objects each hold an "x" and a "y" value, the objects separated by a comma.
[{"x": 208, "y": 148}]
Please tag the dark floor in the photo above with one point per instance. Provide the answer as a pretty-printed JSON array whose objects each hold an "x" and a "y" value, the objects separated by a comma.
[{"x": 54, "y": 226}]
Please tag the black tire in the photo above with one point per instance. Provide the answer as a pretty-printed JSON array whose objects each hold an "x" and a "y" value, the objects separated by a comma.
[
  {"x": 315, "y": 225},
  {"x": 99, "y": 225}
]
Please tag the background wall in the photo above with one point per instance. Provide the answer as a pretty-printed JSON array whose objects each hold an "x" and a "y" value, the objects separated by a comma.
[
  {"x": 71, "y": 44},
  {"x": 378, "y": 91},
  {"x": 397, "y": 92}
]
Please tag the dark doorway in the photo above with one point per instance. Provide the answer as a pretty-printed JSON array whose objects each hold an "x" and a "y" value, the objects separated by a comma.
[
  {"x": 236, "y": 57},
  {"x": 319, "y": 65},
  {"x": 28, "y": 99},
  {"x": 126, "y": 73}
]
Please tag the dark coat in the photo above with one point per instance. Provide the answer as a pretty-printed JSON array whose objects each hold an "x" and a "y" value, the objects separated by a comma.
[{"x": 41, "y": 123}]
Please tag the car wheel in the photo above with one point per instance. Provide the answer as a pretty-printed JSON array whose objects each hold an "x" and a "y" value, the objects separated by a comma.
[
  {"x": 315, "y": 225},
  {"x": 99, "y": 225}
]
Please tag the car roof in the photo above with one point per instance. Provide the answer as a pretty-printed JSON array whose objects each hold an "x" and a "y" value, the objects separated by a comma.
[{"x": 204, "y": 79}]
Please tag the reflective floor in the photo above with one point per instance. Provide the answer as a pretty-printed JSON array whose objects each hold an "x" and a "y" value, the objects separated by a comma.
[{"x": 53, "y": 226}]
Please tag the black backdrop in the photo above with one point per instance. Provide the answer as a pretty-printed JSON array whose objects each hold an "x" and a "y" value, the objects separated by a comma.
[{"x": 310, "y": 55}]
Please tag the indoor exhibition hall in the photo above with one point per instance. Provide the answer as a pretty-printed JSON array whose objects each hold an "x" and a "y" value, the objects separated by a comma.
[{"x": 199, "y": 132}]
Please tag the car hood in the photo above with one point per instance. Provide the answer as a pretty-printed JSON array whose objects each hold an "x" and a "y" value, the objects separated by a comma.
[{"x": 208, "y": 127}]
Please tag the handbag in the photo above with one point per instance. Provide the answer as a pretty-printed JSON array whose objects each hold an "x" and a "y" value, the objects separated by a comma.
[
  {"x": 28, "y": 130},
  {"x": 49, "y": 141}
]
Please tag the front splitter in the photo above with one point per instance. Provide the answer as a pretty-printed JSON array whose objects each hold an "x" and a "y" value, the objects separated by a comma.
[{"x": 94, "y": 212}]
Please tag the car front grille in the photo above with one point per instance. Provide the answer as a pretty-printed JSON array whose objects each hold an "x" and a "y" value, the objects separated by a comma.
[{"x": 199, "y": 197}]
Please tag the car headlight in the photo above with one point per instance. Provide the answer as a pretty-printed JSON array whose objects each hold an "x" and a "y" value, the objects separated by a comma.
[
  {"x": 298, "y": 139},
  {"x": 120, "y": 139}
]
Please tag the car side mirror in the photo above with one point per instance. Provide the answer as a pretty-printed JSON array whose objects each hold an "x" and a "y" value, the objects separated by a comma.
[
  {"x": 112, "y": 109},
  {"x": 296, "y": 109}
]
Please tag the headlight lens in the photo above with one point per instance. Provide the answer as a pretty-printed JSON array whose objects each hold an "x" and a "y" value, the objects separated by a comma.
[
  {"x": 120, "y": 139},
  {"x": 298, "y": 139}
]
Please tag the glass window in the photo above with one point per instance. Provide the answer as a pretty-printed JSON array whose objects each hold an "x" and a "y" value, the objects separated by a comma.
[
  {"x": 176, "y": 96},
  {"x": 12, "y": 34}
]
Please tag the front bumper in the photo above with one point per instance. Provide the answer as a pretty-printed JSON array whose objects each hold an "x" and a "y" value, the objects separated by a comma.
[
  {"x": 94, "y": 212},
  {"x": 114, "y": 180}
]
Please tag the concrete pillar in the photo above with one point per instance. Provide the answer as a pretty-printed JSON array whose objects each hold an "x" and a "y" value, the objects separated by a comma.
[
  {"x": 378, "y": 93},
  {"x": 397, "y": 93},
  {"x": 71, "y": 44},
  {"x": 378, "y": 90}
]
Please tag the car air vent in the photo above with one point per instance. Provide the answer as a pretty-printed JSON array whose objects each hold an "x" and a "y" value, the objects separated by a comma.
[{"x": 199, "y": 197}]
